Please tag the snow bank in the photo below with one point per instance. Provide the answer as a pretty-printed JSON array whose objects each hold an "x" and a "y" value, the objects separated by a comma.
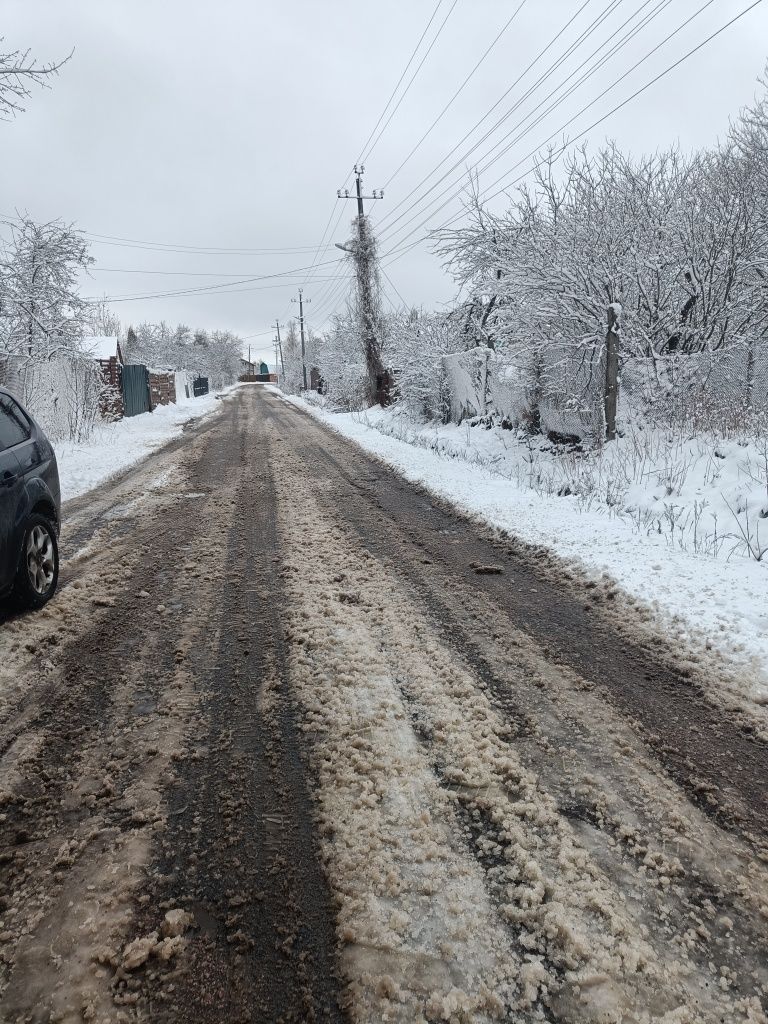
[
  {"x": 114, "y": 447},
  {"x": 716, "y": 602}
]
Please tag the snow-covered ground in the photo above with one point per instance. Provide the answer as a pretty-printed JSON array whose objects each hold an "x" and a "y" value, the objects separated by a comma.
[
  {"x": 718, "y": 601},
  {"x": 114, "y": 447}
]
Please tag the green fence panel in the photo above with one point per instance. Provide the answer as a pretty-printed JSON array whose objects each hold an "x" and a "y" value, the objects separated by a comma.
[{"x": 135, "y": 390}]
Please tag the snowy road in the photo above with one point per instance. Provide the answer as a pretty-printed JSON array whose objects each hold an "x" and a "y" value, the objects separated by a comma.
[{"x": 295, "y": 743}]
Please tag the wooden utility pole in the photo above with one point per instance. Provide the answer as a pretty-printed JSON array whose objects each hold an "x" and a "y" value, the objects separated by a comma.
[
  {"x": 362, "y": 254},
  {"x": 611, "y": 394},
  {"x": 301, "y": 328},
  {"x": 280, "y": 348}
]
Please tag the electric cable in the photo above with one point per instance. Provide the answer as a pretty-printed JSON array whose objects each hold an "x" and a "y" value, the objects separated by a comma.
[
  {"x": 450, "y": 102},
  {"x": 211, "y": 287},
  {"x": 500, "y": 100},
  {"x": 616, "y": 47},
  {"x": 405, "y": 92},
  {"x": 397, "y": 85},
  {"x": 402, "y": 250}
]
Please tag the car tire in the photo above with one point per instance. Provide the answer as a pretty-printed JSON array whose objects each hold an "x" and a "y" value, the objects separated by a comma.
[{"x": 38, "y": 572}]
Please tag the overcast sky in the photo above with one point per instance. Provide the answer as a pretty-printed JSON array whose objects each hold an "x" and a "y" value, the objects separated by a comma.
[{"x": 230, "y": 126}]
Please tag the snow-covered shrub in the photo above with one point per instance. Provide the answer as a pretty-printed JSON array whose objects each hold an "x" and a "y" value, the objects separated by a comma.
[
  {"x": 467, "y": 376},
  {"x": 66, "y": 394},
  {"x": 418, "y": 344},
  {"x": 340, "y": 357}
]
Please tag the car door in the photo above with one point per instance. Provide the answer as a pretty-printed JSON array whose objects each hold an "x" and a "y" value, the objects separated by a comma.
[{"x": 13, "y": 497}]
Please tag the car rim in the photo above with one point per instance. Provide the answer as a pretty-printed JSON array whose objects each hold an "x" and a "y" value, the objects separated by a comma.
[{"x": 40, "y": 559}]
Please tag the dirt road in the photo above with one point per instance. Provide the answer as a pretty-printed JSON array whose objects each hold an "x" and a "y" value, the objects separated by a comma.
[{"x": 295, "y": 743}]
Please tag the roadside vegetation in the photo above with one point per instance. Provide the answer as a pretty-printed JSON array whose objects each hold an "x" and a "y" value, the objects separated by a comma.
[{"x": 672, "y": 250}]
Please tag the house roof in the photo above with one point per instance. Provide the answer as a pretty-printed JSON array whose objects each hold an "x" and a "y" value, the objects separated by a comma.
[{"x": 103, "y": 346}]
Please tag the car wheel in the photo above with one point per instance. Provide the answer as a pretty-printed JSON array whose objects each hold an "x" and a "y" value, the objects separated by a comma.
[{"x": 38, "y": 572}]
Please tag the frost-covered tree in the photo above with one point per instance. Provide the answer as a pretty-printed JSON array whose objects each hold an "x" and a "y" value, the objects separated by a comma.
[
  {"x": 340, "y": 358},
  {"x": 749, "y": 137},
  {"x": 103, "y": 321},
  {"x": 417, "y": 343},
  {"x": 676, "y": 241},
  {"x": 41, "y": 309},
  {"x": 224, "y": 352},
  {"x": 293, "y": 379},
  {"x": 151, "y": 344},
  {"x": 19, "y": 72},
  {"x": 214, "y": 354}
]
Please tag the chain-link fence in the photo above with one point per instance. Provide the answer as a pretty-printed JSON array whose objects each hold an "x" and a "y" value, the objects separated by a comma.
[
  {"x": 554, "y": 390},
  {"x": 559, "y": 390},
  {"x": 719, "y": 389}
]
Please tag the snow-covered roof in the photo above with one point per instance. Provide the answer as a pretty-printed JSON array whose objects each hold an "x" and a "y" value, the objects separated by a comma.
[{"x": 103, "y": 346}]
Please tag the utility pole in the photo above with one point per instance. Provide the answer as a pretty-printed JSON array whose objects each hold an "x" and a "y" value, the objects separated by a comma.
[
  {"x": 280, "y": 347},
  {"x": 362, "y": 252},
  {"x": 301, "y": 328}
]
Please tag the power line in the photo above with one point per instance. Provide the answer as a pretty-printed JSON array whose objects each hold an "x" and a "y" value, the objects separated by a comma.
[
  {"x": 386, "y": 275},
  {"x": 450, "y": 102},
  {"x": 258, "y": 334},
  {"x": 192, "y": 293},
  {"x": 332, "y": 301},
  {"x": 397, "y": 84},
  {"x": 616, "y": 47},
  {"x": 331, "y": 294},
  {"x": 175, "y": 273},
  {"x": 340, "y": 300},
  {"x": 323, "y": 292},
  {"x": 585, "y": 131},
  {"x": 410, "y": 83},
  {"x": 389, "y": 298},
  {"x": 333, "y": 232},
  {"x": 487, "y": 114},
  {"x": 375, "y": 127},
  {"x": 213, "y": 287},
  {"x": 192, "y": 250},
  {"x": 310, "y": 280},
  {"x": 207, "y": 250},
  {"x": 538, "y": 148},
  {"x": 322, "y": 240}
]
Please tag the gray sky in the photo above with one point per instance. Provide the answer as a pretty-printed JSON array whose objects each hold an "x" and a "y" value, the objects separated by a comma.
[{"x": 229, "y": 126}]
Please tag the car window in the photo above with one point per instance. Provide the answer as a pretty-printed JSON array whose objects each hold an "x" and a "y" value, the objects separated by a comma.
[
  {"x": 19, "y": 413},
  {"x": 13, "y": 428}
]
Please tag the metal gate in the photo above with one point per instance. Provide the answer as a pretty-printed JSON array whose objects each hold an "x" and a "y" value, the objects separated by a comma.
[
  {"x": 135, "y": 389},
  {"x": 200, "y": 386}
]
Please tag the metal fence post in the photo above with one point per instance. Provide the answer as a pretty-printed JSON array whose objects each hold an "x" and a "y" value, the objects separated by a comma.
[{"x": 611, "y": 394}]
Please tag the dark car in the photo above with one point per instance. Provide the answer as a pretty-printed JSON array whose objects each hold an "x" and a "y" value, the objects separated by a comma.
[{"x": 30, "y": 508}]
